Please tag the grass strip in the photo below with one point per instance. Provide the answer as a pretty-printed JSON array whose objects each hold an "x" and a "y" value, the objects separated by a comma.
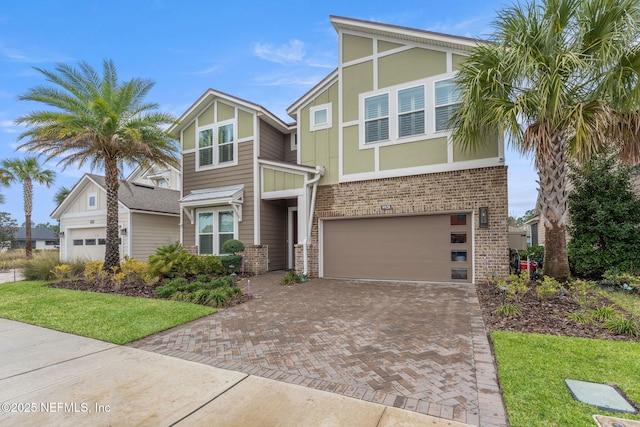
[
  {"x": 112, "y": 318},
  {"x": 532, "y": 369}
]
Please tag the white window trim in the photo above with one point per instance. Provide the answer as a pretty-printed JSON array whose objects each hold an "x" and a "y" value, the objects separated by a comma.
[
  {"x": 392, "y": 91},
  {"x": 439, "y": 106},
  {"x": 313, "y": 126},
  {"x": 216, "y": 234},
  {"x": 95, "y": 198},
  {"x": 216, "y": 153}
]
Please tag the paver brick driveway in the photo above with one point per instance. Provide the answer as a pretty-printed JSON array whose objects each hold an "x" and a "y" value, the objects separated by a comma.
[{"x": 416, "y": 346}]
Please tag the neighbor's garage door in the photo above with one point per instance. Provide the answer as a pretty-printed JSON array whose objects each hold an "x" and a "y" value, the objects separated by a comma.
[
  {"x": 426, "y": 247},
  {"x": 87, "y": 243}
]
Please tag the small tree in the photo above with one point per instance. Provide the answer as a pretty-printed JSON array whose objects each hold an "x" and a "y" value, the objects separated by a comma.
[
  {"x": 8, "y": 228},
  {"x": 604, "y": 218}
]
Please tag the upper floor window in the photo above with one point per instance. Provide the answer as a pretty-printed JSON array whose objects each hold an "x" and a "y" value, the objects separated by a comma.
[
  {"x": 216, "y": 145},
  {"x": 376, "y": 118},
  {"x": 92, "y": 201},
  {"x": 411, "y": 111},
  {"x": 408, "y": 112},
  {"x": 447, "y": 101},
  {"x": 320, "y": 117}
]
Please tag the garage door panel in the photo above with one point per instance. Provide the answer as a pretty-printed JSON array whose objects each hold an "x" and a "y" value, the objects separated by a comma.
[
  {"x": 85, "y": 244},
  {"x": 394, "y": 248}
]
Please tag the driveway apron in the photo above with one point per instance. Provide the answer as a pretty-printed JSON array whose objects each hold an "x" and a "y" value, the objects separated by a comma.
[{"x": 416, "y": 346}]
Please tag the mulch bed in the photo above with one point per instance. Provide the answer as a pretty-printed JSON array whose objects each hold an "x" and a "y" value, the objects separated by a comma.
[
  {"x": 550, "y": 316},
  {"x": 130, "y": 288}
]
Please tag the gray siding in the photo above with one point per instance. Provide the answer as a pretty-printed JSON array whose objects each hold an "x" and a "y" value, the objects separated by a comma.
[
  {"x": 290, "y": 155},
  {"x": 240, "y": 174},
  {"x": 273, "y": 214},
  {"x": 272, "y": 143},
  {"x": 151, "y": 232}
]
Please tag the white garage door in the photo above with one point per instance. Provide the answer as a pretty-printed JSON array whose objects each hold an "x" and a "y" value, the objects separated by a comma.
[
  {"x": 423, "y": 247},
  {"x": 87, "y": 243}
]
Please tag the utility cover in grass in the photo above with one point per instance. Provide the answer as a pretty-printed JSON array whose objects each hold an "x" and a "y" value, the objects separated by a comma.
[{"x": 602, "y": 396}]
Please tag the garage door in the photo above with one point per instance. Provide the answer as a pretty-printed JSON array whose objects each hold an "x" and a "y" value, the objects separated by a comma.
[
  {"x": 87, "y": 243},
  {"x": 426, "y": 248}
]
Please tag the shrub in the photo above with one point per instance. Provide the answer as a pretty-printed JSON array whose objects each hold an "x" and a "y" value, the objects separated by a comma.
[
  {"x": 509, "y": 309},
  {"x": 171, "y": 260},
  {"x": 582, "y": 317},
  {"x": 232, "y": 246},
  {"x": 61, "y": 271},
  {"x": 232, "y": 263},
  {"x": 204, "y": 278},
  {"x": 166, "y": 290},
  {"x": 41, "y": 267},
  {"x": 208, "y": 264},
  {"x": 217, "y": 297},
  {"x": 134, "y": 268},
  {"x": 623, "y": 326},
  {"x": 291, "y": 277},
  {"x": 547, "y": 288},
  {"x": 92, "y": 269},
  {"x": 603, "y": 314}
]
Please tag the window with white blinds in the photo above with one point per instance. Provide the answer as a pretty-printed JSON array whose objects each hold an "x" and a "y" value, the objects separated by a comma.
[
  {"x": 376, "y": 118},
  {"x": 447, "y": 100},
  {"x": 411, "y": 111}
]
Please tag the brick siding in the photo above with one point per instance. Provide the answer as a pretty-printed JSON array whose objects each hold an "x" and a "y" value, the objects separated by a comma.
[{"x": 444, "y": 192}]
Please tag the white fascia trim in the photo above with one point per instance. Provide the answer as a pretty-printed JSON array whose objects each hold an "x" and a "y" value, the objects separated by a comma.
[
  {"x": 75, "y": 227},
  {"x": 282, "y": 194},
  {"x": 256, "y": 181},
  {"x": 189, "y": 151},
  {"x": 287, "y": 167},
  {"x": 420, "y": 170},
  {"x": 154, "y": 213}
]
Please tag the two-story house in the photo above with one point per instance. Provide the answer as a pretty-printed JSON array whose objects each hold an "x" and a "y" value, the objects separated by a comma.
[{"x": 366, "y": 183}]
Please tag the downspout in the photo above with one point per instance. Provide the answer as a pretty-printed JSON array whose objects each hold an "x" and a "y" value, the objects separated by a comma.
[{"x": 319, "y": 173}]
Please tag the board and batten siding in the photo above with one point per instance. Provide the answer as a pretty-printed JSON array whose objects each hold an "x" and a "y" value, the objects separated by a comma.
[
  {"x": 242, "y": 173},
  {"x": 152, "y": 231}
]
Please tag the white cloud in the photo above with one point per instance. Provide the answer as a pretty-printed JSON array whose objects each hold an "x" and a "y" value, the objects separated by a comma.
[
  {"x": 12, "y": 54},
  {"x": 7, "y": 126},
  {"x": 289, "y": 53},
  {"x": 290, "y": 78}
]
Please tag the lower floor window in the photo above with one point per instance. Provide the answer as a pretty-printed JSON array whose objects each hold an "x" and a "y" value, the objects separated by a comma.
[
  {"x": 458, "y": 273},
  {"x": 214, "y": 228}
]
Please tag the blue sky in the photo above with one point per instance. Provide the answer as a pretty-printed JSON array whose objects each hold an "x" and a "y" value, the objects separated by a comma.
[{"x": 269, "y": 53}]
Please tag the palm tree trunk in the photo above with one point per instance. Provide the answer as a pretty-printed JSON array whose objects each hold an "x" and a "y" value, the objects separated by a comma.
[
  {"x": 112, "y": 248},
  {"x": 553, "y": 195},
  {"x": 27, "y": 187}
]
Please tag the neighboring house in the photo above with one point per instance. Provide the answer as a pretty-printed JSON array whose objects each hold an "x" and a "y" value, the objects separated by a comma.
[
  {"x": 536, "y": 229},
  {"x": 519, "y": 237},
  {"x": 365, "y": 184},
  {"x": 148, "y": 216},
  {"x": 41, "y": 238}
]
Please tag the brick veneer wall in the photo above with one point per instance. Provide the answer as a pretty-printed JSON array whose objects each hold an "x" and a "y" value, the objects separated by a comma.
[
  {"x": 255, "y": 259},
  {"x": 455, "y": 191}
]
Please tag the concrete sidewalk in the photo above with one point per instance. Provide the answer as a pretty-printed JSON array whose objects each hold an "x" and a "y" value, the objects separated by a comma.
[{"x": 53, "y": 378}]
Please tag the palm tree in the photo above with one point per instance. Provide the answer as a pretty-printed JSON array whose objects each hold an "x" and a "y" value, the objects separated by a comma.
[
  {"x": 27, "y": 171},
  {"x": 61, "y": 194},
  {"x": 561, "y": 79},
  {"x": 100, "y": 121}
]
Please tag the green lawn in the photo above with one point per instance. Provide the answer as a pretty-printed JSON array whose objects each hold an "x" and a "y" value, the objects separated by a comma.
[
  {"x": 112, "y": 318},
  {"x": 532, "y": 369}
]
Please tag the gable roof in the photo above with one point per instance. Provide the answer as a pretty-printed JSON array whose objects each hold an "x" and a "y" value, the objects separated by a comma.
[
  {"x": 210, "y": 95},
  {"x": 404, "y": 33},
  {"x": 36, "y": 234},
  {"x": 138, "y": 197}
]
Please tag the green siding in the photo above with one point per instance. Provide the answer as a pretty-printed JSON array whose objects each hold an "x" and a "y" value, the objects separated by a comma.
[
  {"x": 356, "y": 160},
  {"x": 225, "y": 112},
  {"x": 409, "y": 65},
  {"x": 189, "y": 137},
  {"x": 320, "y": 148},
  {"x": 384, "y": 46},
  {"x": 206, "y": 117},
  {"x": 275, "y": 180},
  {"x": 245, "y": 124},
  {"x": 355, "y": 47},
  {"x": 457, "y": 61},
  {"x": 419, "y": 153},
  {"x": 356, "y": 79},
  {"x": 488, "y": 150}
]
